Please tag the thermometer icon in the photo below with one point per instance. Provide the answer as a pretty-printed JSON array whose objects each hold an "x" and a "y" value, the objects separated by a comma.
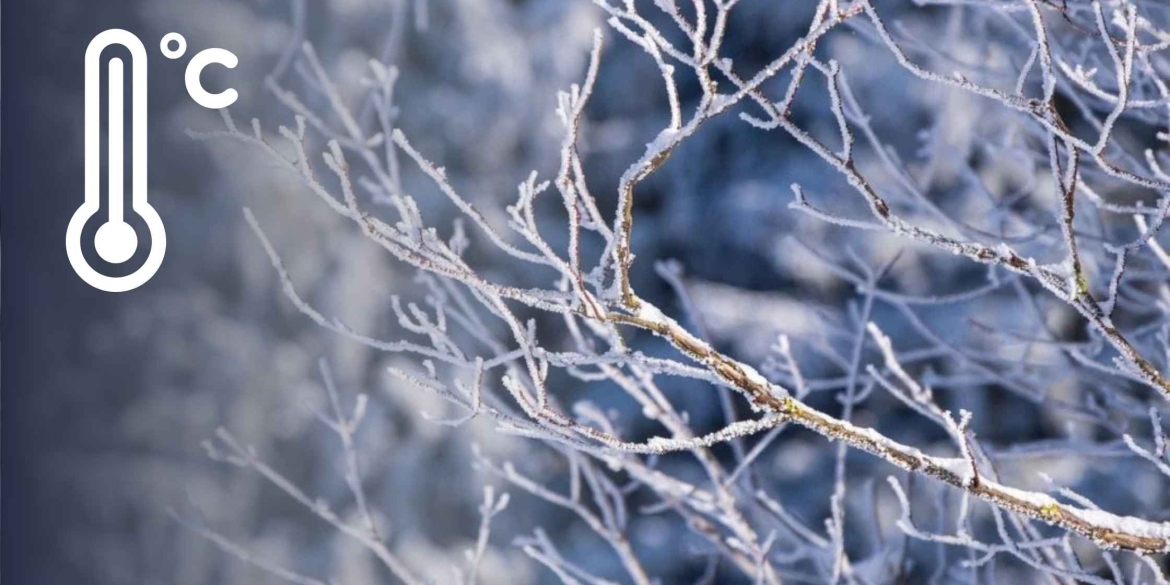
[{"x": 115, "y": 241}]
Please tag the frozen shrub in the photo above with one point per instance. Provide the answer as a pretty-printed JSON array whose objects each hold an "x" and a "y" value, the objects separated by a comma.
[{"x": 955, "y": 373}]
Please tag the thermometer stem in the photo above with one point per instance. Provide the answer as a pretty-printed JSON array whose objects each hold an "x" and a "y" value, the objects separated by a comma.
[{"x": 116, "y": 129}]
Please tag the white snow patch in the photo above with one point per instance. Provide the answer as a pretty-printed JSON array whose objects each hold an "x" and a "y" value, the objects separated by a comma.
[{"x": 1123, "y": 524}]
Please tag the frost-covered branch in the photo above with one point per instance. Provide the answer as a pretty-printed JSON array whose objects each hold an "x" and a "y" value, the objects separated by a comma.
[{"x": 526, "y": 303}]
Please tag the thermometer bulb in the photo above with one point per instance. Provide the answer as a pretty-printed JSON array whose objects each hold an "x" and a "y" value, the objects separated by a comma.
[{"x": 115, "y": 242}]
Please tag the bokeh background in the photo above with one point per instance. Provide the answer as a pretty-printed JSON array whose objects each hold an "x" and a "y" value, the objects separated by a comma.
[{"x": 107, "y": 398}]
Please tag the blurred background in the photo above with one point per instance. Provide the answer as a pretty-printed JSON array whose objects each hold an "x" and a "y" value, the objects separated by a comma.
[{"x": 108, "y": 397}]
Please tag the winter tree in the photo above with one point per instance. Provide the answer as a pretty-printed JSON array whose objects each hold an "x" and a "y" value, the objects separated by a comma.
[{"x": 943, "y": 351}]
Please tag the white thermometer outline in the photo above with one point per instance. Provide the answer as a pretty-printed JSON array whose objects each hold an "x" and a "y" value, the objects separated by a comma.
[{"x": 115, "y": 240}]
